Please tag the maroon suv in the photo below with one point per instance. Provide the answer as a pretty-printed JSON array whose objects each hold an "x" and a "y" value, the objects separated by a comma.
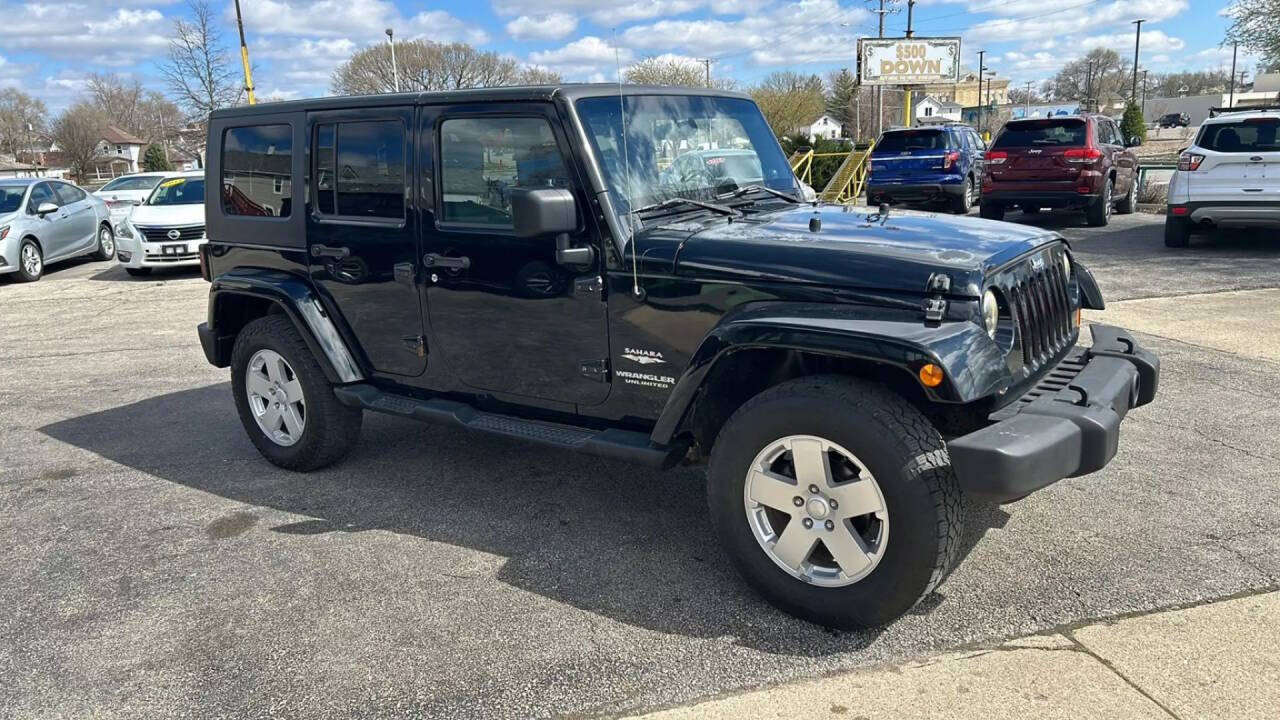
[{"x": 1071, "y": 163}]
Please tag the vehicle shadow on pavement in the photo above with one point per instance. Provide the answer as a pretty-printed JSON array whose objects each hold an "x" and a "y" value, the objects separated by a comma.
[
  {"x": 629, "y": 543},
  {"x": 116, "y": 273}
]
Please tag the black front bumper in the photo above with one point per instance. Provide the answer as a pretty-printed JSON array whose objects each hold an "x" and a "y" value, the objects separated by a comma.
[{"x": 1068, "y": 425}]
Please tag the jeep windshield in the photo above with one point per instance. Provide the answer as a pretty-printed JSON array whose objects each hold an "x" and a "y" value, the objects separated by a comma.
[{"x": 684, "y": 148}]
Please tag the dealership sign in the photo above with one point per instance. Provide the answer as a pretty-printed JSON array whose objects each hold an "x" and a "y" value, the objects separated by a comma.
[{"x": 909, "y": 61}]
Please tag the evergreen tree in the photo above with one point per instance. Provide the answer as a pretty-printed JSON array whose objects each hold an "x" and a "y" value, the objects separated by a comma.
[
  {"x": 1132, "y": 124},
  {"x": 842, "y": 103},
  {"x": 153, "y": 160}
]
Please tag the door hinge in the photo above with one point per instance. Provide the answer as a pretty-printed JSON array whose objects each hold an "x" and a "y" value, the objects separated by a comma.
[
  {"x": 935, "y": 307},
  {"x": 415, "y": 344},
  {"x": 597, "y": 370}
]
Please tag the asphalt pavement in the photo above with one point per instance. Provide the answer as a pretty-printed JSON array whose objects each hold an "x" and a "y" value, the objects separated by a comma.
[{"x": 156, "y": 566}]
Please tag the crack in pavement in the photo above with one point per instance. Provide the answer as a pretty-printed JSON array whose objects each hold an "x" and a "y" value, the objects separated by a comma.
[{"x": 1070, "y": 635}]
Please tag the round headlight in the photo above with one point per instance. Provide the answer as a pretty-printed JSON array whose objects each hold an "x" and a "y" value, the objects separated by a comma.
[
  {"x": 990, "y": 313},
  {"x": 1066, "y": 266}
]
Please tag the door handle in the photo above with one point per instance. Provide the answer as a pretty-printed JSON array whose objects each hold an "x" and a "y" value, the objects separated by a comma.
[
  {"x": 329, "y": 252},
  {"x": 432, "y": 260}
]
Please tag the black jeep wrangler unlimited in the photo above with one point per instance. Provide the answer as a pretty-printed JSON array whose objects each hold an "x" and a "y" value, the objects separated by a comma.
[{"x": 534, "y": 262}]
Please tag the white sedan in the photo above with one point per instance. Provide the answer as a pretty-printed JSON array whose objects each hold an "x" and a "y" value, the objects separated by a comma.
[
  {"x": 167, "y": 229},
  {"x": 127, "y": 191}
]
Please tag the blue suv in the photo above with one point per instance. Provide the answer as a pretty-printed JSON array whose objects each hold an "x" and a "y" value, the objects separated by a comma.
[{"x": 933, "y": 164}]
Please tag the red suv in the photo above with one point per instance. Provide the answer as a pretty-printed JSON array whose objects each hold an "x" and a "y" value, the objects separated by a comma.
[{"x": 1071, "y": 163}]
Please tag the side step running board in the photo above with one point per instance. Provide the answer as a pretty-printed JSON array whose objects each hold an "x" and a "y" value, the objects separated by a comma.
[{"x": 620, "y": 444}]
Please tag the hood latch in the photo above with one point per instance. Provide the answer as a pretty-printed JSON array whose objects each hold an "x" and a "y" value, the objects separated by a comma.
[{"x": 935, "y": 305}]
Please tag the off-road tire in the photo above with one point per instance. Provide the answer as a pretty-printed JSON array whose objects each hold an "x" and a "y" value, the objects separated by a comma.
[
  {"x": 100, "y": 252},
  {"x": 138, "y": 271},
  {"x": 1098, "y": 214},
  {"x": 1129, "y": 203},
  {"x": 331, "y": 428},
  {"x": 1177, "y": 233},
  {"x": 910, "y": 463},
  {"x": 22, "y": 275},
  {"x": 991, "y": 211}
]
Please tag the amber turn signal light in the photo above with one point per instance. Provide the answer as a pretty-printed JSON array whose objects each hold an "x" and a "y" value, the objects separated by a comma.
[{"x": 930, "y": 375}]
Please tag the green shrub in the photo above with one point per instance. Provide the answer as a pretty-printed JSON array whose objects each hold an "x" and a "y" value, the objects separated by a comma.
[{"x": 1132, "y": 123}]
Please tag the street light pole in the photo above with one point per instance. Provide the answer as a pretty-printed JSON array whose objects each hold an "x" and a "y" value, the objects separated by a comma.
[
  {"x": 395, "y": 71},
  {"x": 982, "y": 54},
  {"x": 1026, "y": 100},
  {"x": 1144, "y": 92},
  {"x": 1137, "y": 39}
]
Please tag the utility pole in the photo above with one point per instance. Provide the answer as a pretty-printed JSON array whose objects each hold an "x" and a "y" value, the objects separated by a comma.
[
  {"x": 706, "y": 62},
  {"x": 906, "y": 103},
  {"x": 244, "y": 57},
  {"x": 1137, "y": 40},
  {"x": 1026, "y": 99},
  {"x": 880, "y": 88},
  {"x": 1144, "y": 92},
  {"x": 31, "y": 148},
  {"x": 1232, "y": 101},
  {"x": 982, "y": 66},
  {"x": 395, "y": 71},
  {"x": 1088, "y": 86}
]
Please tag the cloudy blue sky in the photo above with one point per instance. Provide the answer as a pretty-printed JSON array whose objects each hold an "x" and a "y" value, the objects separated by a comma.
[{"x": 47, "y": 46}]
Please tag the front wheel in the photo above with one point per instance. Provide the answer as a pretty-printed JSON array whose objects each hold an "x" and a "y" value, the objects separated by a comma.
[
  {"x": 106, "y": 248},
  {"x": 285, "y": 402},
  {"x": 836, "y": 501},
  {"x": 30, "y": 262}
]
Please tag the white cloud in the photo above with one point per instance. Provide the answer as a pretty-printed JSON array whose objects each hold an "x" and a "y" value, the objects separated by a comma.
[
  {"x": 91, "y": 35},
  {"x": 1068, "y": 17},
  {"x": 584, "y": 58},
  {"x": 552, "y": 26},
  {"x": 1152, "y": 40},
  {"x": 361, "y": 20}
]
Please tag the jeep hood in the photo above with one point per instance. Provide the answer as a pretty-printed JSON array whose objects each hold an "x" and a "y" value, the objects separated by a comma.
[{"x": 853, "y": 248}]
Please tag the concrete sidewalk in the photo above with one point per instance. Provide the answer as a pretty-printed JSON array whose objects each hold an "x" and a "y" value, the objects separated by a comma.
[{"x": 1218, "y": 660}]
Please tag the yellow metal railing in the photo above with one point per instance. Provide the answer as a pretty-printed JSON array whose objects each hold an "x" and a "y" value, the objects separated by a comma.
[{"x": 845, "y": 187}]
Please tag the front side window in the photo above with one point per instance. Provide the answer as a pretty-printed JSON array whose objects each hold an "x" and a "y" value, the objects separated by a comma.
[
  {"x": 255, "y": 162},
  {"x": 67, "y": 194},
  {"x": 482, "y": 158},
  {"x": 360, "y": 169},
  {"x": 1251, "y": 135},
  {"x": 686, "y": 146},
  {"x": 40, "y": 194},
  {"x": 178, "y": 191}
]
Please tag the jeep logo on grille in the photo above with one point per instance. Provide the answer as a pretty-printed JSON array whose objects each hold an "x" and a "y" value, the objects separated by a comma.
[
  {"x": 173, "y": 234},
  {"x": 1037, "y": 263}
]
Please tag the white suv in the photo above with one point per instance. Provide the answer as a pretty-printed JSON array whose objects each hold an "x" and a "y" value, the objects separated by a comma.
[{"x": 1229, "y": 177}]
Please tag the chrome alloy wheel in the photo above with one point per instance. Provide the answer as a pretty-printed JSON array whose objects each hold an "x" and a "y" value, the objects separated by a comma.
[
  {"x": 275, "y": 397},
  {"x": 816, "y": 510},
  {"x": 107, "y": 242},
  {"x": 31, "y": 261}
]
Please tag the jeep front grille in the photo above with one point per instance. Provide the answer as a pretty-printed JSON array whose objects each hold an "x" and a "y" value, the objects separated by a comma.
[{"x": 1037, "y": 292}]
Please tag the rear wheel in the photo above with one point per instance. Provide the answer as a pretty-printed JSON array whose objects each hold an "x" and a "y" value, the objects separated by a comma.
[
  {"x": 285, "y": 402},
  {"x": 1177, "y": 233},
  {"x": 962, "y": 204},
  {"x": 1099, "y": 213},
  {"x": 804, "y": 484},
  {"x": 106, "y": 249},
  {"x": 991, "y": 211},
  {"x": 30, "y": 262}
]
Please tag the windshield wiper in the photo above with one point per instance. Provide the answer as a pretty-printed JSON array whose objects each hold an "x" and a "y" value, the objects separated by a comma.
[
  {"x": 754, "y": 188},
  {"x": 671, "y": 202}
]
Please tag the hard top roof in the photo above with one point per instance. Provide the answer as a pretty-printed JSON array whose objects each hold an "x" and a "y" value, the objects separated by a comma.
[
  {"x": 1237, "y": 114},
  {"x": 22, "y": 181},
  {"x": 543, "y": 93}
]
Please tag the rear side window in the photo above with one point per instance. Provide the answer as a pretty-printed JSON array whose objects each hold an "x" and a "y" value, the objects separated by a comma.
[
  {"x": 907, "y": 140},
  {"x": 1252, "y": 135},
  {"x": 1040, "y": 133},
  {"x": 360, "y": 169},
  {"x": 68, "y": 194},
  {"x": 255, "y": 161}
]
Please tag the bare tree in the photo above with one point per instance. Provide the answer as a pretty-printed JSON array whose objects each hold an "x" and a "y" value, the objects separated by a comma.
[
  {"x": 1101, "y": 71},
  {"x": 17, "y": 109},
  {"x": 199, "y": 72},
  {"x": 789, "y": 101},
  {"x": 1253, "y": 25},
  {"x": 425, "y": 65},
  {"x": 77, "y": 132},
  {"x": 666, "y": 71}
]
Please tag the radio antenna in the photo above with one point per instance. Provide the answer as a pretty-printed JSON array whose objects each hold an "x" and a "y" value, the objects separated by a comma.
[{"x": 626, "y": 175}]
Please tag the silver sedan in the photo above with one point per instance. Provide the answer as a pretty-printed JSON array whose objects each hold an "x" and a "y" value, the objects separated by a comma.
[{"x": 45, "y": 220}]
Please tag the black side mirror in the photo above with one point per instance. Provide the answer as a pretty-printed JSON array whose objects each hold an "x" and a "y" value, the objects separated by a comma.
[
  {"x": 542, "y": 211},
  {"x": 1134, "y": 141}
]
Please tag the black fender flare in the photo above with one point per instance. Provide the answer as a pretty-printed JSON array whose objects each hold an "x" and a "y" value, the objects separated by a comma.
[
  {"x": 300, "y": 302},
  {"x": 973, "y": 365}
]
